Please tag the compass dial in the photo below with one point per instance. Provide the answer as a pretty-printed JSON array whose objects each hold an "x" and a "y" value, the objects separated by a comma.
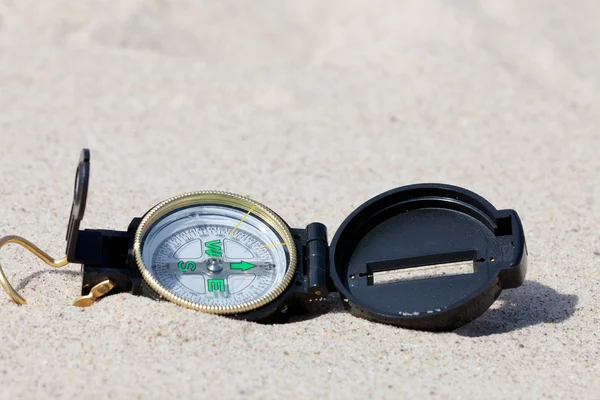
[{"x": 215, "y": 252}]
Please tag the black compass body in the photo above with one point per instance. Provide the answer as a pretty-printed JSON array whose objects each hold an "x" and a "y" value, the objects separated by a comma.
[{"x": 427, "y": 256}]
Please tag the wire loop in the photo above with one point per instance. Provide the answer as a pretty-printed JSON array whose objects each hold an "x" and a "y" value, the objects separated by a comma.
[{"x": 54, "y": 263}]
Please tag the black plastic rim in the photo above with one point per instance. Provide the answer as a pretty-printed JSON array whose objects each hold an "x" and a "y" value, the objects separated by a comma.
[{"x": 421, "y": 225}]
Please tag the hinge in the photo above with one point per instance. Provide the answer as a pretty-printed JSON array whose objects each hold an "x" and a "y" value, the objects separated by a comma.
[
  {"x": 316, "y": 258},
  {"x": 103, "y": 255}
]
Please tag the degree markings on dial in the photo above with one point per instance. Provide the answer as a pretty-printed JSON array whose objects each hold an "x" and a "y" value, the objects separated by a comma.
[
  {"x": 256, "y": 270},
  {"x": 242, "y": 220},
  {"x": 274, "y": 244},
  {"x": 180, "y": 238}
]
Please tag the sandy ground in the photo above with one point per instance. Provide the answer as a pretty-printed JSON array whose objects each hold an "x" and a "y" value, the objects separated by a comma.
[{"x": 311, "y": 108}]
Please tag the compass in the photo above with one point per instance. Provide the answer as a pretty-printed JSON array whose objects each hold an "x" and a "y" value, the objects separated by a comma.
[
  {"x": 215, "y": 252},
  {"x": 427, "y": 256}
]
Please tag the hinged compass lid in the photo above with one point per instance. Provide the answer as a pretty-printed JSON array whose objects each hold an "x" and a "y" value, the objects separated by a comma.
[{"x": 427, "y": 256}]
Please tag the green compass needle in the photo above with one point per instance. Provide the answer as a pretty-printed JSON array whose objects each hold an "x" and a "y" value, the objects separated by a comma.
[
  {"x": 244, "y": 266},
  {"x": 215, "y": 267}
]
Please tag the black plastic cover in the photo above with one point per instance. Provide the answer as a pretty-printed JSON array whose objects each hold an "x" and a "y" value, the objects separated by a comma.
[
  {"x": 82, "y": 179},
  {"x": 378, "y": 257}
]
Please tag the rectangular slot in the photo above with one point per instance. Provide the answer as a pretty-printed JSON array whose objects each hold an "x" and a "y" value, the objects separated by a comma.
[
  {"x": 424, "y": 267},
  {"x": 503, "y": 226}
]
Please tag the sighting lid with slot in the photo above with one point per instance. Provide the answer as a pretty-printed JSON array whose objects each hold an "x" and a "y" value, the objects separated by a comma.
[{"x": 396, "y": 258}]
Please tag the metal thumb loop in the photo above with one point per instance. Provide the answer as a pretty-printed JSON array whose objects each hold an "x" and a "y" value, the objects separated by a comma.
[{"x": 54, "y": 263}]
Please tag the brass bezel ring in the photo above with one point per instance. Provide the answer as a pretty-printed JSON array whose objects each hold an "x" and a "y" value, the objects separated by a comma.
[{"x": 215, "y": 198}]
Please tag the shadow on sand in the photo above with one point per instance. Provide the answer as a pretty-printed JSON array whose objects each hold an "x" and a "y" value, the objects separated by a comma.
[
  {"x": 27, "y": 280},
  {"x": 531, "y": 304}
]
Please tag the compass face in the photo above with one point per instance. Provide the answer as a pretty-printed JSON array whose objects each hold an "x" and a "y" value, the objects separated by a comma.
[{"x": 216, "y": 257}]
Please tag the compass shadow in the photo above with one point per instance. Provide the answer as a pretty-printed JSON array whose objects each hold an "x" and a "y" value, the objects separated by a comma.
[
  {"x": 531, "y": 304},
  {"x": 298, "y": 314},
  {"x": 333, "y": 304},
  {"x": 29, "y": 278}
]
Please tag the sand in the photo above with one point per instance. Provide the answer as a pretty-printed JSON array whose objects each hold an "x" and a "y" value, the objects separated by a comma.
[{"x": 312, "y": 108}]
